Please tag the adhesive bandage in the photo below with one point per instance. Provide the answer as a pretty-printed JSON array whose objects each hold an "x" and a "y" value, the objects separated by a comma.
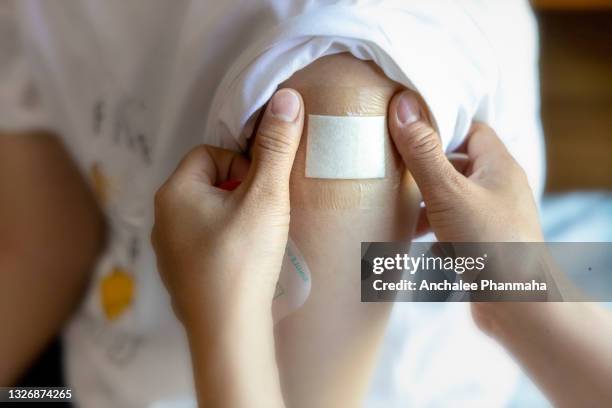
[
  {"x": 293, "y": 286},
  {"x": 346, "y": 147}
]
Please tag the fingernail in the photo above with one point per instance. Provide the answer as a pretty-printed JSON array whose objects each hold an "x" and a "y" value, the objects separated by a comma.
[
  {"x": 408, "y": 109},
  {"x": 285, "y": 105}
]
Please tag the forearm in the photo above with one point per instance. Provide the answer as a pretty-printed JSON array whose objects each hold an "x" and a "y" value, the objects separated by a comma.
[
  {"x": 564, "y": 347},
  {"x": 235, "y": 366},
  {"x": 51, "y": 231}
]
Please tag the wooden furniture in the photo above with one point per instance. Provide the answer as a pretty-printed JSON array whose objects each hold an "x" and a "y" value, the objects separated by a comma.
[
  {"x": 576, "y": 88},
  {"x": 572, "y": 4}
]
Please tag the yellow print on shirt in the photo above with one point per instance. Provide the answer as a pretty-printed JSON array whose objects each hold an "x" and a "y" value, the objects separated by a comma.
[
  {"x": 116, "y": 293},
  {"x": 101, "y": 183}
]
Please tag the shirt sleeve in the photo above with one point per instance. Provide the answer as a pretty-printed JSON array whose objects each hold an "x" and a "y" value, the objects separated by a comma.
[
  {"x": 433, "y": 47},
  {"x": 20, "y": 105},
  {"x": 451, "y": 52},
  {"x": 514, "y": 112}
]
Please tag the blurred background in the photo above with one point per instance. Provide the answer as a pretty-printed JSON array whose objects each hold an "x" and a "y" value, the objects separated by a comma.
[
  {"x": 576, "y": 81},
  {"x": 576, "y": 87}
]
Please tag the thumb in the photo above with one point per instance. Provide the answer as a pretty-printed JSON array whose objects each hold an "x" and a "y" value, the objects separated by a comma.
[
  {"x": 421, "y": 149},
  {"x": 276, "y": 143}
]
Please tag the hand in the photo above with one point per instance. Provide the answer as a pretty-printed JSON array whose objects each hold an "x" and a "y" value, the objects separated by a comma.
[
  {"x": 220, "y": 252},
  {"x": 491, "y": 202}
]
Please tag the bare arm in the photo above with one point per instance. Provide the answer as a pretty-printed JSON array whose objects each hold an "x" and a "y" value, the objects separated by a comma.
[
  {"x": 566, "y": 348},
  {"x": 220, "y": 252},
  {"x": 327, "y": 349},
  {"x": 50, "y": 233}
]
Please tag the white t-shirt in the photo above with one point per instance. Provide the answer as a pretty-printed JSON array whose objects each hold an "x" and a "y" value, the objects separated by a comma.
[{"x": 131, "y": 86}]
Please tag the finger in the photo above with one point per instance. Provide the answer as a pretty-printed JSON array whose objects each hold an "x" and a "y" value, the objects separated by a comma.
[
  {"x": 211, "y": 165},
  {"x": 276, "y": 142},
  {"x": 482, "y": 141},
  {"x": 460, "y": 161},
  {"x": 421, "y": 148},
  {"x": 239, "y": 168},
  {"x": 488, "y": 155},
  {"x": 422, "y": 226}
]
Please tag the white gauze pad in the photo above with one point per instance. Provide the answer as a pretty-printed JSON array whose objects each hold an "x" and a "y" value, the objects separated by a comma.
[{"x": 346, "y": 147}]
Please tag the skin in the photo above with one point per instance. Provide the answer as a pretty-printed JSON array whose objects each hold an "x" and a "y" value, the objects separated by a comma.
[
  {"x": 327, "y": 349},
  {"x": 338, "y": 336},
  {"x": 564, "y": 347},
  {"x": 555, "y": 342},
  {"x": 202, "y": 237},
  {"x": 51, "y": 231}
]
